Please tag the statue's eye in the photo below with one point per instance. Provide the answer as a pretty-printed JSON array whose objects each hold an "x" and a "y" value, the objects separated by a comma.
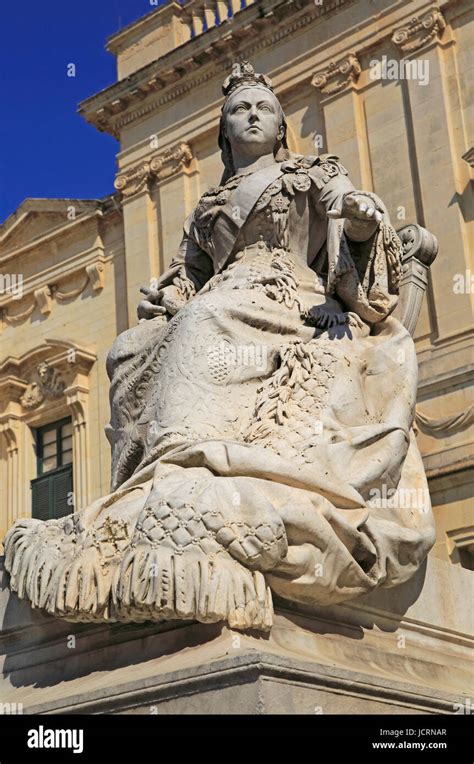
[
  {"x": 265, "y": 107},
  {"x": 240, "y": 107}
]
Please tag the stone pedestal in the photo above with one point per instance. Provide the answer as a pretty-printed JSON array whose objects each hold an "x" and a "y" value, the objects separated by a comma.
[{"x": 396, "y": 651}]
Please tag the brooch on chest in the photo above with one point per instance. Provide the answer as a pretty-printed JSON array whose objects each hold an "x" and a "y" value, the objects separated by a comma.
[{"x": 275, "y": 199}]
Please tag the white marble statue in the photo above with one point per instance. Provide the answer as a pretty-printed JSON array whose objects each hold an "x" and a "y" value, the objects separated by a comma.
[{"x": 262, "y": 408}]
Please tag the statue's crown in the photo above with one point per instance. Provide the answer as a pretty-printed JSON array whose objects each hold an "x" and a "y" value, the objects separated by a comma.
[{"x": 243, "y": 73}]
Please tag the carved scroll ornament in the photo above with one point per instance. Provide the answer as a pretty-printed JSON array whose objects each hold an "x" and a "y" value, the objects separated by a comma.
[{"x": 159, "y": 167}]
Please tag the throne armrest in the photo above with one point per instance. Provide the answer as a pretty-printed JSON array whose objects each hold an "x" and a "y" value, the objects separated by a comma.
[{"x": 420, "y": 248}]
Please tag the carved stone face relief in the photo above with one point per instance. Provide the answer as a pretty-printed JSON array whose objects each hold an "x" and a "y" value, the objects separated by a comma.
[{"x": 46, "y": 383}]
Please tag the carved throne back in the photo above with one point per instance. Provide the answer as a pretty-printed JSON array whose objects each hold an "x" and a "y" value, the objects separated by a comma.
[{"x": 420, "y": 248}]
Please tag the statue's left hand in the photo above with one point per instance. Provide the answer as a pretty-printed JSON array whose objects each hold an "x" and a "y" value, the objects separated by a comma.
[
  {"x": 358, "y": 206},
  {"x": 362, "y": 216}
]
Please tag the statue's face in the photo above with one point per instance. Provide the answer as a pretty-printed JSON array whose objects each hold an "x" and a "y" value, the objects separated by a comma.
[{"x": 253, "y": 121}]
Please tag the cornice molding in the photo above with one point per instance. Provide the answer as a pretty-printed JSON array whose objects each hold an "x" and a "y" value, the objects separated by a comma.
[
  {"x": 444, "y": 382},
  {"x": 85, "y": 210},
  {"x": 159, "y": 167},
  {"x": 41, "y": 295},
  {"x": 129, "y": 32},
  {"x": 252, "y": 30},
  {"x": 126, "y": 101},
  {"x": 51, "y": 235}
]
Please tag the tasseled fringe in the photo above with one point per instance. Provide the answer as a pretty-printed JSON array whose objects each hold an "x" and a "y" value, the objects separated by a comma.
[
  {"x": 339, "y": 256},
  {"x": 192, "y": 586},
  {"x": 148, "y": 584}
]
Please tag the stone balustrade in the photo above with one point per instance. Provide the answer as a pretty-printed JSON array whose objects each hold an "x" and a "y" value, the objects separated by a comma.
[{"x": 200, "y": 15}]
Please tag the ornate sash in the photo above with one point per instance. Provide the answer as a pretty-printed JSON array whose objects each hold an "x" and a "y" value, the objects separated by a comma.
[{"x": 233, "y": 215}]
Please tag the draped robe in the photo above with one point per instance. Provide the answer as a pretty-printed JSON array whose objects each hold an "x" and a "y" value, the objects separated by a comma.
[{"x": 261, "y": 429}]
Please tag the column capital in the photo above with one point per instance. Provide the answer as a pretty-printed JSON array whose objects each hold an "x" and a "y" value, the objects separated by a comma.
[
  {"x": 420, "y": 31},
  {"x": 338, "y": 75},
  {"x": 159, "y": 167}
]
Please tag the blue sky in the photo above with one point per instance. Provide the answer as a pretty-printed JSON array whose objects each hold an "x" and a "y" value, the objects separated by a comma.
[{"x": 46, "y": 148}]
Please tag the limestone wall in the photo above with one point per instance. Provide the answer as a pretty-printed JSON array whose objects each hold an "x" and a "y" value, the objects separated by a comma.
[{"x": 71, "y": 307}]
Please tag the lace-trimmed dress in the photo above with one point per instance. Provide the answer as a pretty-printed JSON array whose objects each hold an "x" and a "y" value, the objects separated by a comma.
[{"x": 257, "y": 429}]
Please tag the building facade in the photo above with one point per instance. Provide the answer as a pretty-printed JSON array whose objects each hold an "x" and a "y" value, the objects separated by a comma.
[{"x": 384, "y": 85}]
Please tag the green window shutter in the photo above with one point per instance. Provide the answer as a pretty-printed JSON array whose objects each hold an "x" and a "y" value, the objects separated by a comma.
[
  {"x": 62, "y": 490},
  {"x": 52, "y": 489},
  {"x": 41, "y": 497},
  {"x": 50, "y": 494}
]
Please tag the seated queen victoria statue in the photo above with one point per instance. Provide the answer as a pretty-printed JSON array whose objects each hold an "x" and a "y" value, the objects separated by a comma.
[{"x": 261, "y": 410}]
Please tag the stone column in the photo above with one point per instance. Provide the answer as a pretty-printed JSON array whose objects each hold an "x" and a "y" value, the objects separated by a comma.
[
  {"x": 444, "y": 177},
  {"x": 77, "y": 401},
  {"x": 12, "y": 434},
  {"x": 10, "y": 429},
  {"x": 141, "y": 262}
]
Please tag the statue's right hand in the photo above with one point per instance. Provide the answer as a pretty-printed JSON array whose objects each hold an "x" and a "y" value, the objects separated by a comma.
[{"x": 150, "y": 307}]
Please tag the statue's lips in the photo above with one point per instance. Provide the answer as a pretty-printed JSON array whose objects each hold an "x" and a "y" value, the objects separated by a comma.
[{"x": 253, "y": 127}]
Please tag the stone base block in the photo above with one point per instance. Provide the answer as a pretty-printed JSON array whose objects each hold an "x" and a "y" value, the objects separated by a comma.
[{"x": 395, "y": 651}]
